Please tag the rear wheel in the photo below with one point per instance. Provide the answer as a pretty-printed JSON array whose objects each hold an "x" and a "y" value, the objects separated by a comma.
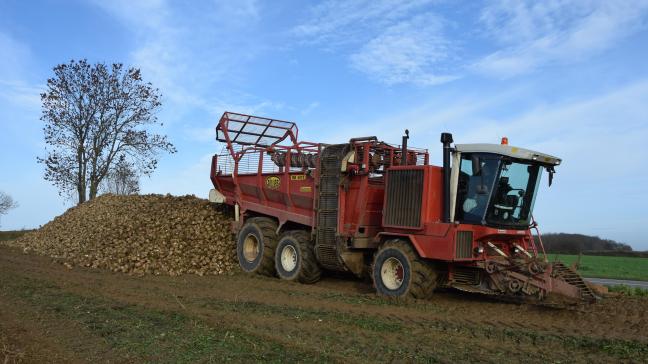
[
  {"x": 398, "y": 271},
  {"x": 295, "y": 259},
  {"x": 256, "y": 244}
]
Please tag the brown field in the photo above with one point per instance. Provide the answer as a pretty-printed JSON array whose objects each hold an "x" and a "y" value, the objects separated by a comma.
[{"x": 49, "y": 313}]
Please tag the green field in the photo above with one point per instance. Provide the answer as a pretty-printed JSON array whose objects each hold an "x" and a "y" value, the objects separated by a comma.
[{"x": 607, "y": 267}]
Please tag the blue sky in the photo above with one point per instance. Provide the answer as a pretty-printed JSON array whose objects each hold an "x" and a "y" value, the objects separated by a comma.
[{"x": 569, "y": 78}]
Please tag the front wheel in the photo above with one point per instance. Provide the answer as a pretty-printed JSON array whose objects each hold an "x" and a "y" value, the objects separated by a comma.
[
  {"x": 295, "y": 259},
  {"x": 398, "y": 271}
]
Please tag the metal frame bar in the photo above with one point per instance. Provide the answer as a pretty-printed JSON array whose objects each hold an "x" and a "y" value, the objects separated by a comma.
[{"x": 289, "y": 130}]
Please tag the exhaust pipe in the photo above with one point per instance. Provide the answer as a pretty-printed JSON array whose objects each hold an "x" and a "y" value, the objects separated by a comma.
[
  {"x": 404, "y": 148},
  {"x": 446, "y": 139}
]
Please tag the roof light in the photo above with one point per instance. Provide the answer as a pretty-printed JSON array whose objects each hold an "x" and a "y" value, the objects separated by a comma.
[{"x": 504, "y": 141}]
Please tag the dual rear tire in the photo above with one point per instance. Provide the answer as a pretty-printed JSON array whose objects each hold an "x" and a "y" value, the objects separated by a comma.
[
  {"x": 295, "y": 259},
  {"x": 289, "y": 256}
]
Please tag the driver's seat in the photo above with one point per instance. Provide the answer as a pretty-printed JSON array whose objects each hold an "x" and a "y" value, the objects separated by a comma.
[{"x": 512, "y": 200}]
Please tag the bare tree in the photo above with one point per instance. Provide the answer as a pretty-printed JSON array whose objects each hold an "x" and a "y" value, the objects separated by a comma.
[
  {"x": 6, "y": 203},
  {"x": 122, "y": 180},
  {"x": 96, "y": 115}
]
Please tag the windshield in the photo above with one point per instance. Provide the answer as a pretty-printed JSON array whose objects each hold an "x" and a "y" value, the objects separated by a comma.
[
  {"x": 512, "y": 202},
  {"x": 495, "y": 190}
]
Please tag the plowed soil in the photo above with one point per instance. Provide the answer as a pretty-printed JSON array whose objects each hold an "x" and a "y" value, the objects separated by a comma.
[{"x": 50, "y": 313}]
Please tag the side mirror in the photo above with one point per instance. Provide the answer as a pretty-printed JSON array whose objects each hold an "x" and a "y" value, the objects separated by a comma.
[
  {"x": 476, "y": 165},
  {"x": 551, "y": 171}
]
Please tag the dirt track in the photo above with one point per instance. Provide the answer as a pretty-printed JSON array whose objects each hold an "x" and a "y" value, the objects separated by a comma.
[{"x": 51, "y": 313}]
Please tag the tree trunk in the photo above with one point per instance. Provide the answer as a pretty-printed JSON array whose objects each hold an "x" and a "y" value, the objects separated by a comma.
[
  {"x": 82, "y": 193},
  {"x": 81, "y": 180},
  {"x": 93, "y": 188}
]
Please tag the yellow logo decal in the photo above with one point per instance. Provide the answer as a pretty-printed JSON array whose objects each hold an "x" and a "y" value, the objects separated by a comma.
[{"x": 273, "y": 182}]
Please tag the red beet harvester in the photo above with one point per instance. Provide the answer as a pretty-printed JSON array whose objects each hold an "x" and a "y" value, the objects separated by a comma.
[{"x": 381, "y": 210}]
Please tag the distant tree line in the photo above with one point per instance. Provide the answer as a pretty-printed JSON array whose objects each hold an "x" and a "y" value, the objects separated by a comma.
[{"x": 578, "y": 243}]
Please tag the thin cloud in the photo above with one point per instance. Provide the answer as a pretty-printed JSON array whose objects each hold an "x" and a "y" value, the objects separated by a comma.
[
  {"x": 240, "y": 9},
  {"x": 393, "y": 42},
  {"x": 15, "y": 57},
  {"x": 160, "y": 48},
  {"x": 15, "y": 87},
  {"x": 535, "y": 34},
  {"x": 21, "y": 94},
  {"x": 191, "y": 70},
  {"x": 338, "y": 22},
  {"x": 308, "y": 109},
  {"x": 142, "y": 14},
  {"x": 408, "y": 52}
]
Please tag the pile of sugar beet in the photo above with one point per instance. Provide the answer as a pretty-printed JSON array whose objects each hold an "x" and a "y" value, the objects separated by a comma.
[{"x": 139, "y": 234}]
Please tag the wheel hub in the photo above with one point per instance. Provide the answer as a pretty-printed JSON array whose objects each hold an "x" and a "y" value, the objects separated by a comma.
[
  {"x": 288, "y": 258},
  {"x": 250, "y": 248},
  {"x": 392, "y": 273}
]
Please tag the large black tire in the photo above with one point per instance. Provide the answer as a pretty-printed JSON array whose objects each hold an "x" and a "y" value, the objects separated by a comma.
[
  {"x": 398, "y": 271},
  {"x": 295, "y": 259},
  {"x": 256, "y": 244}
]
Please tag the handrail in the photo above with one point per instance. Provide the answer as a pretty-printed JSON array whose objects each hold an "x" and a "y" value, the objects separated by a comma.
[{"x": 534, "y": 225}]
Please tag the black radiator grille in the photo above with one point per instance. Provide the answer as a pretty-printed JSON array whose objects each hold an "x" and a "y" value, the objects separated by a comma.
[
  {"x": 464, "y": 244},
  {"x": 404, "y": 197}
]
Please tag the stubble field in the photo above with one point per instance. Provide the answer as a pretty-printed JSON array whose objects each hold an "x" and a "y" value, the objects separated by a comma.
[{"x": 50, "y": 313}]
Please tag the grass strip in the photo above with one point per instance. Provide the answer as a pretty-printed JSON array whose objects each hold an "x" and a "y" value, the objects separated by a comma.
[{"x": 594, "y": 266}]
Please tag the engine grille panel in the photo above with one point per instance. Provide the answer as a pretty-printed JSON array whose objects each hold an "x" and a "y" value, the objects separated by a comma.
[
  {"x": 463, "y": 246},
  {"x": 404, "y": 197}
]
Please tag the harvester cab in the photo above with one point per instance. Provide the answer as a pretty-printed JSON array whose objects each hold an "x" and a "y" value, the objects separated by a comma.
[
  {"x": 496, "y": 185},
  {"x": 381, "y": 210},
  {"x": 491, "y": 190}
]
